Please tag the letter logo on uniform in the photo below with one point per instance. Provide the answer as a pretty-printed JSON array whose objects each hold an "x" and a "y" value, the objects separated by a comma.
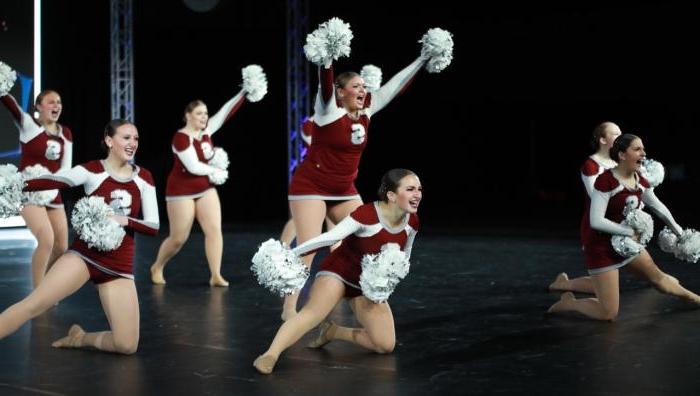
[
  {"x": 121, "y": 202},
  {"x": 207, "y": 150},
  {"x": 358, "y": 134},
  {"x": 53, "y": 150}
]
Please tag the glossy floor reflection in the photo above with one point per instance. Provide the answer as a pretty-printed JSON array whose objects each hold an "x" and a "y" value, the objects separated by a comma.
[{"x": 469, "y": 320}]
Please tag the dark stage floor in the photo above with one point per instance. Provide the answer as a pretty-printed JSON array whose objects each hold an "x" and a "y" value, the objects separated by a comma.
[{"x": 469, "y": 320}]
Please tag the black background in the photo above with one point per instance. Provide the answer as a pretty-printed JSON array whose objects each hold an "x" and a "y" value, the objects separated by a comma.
[{"x": 497, "y": 138}]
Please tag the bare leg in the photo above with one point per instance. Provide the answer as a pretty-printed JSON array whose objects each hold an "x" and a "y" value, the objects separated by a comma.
[
  {"x": 208, "y": 214},
  {"x": 644, "y": 266},
  {"x": 38, "y": 223},
  {"x": 288, "y": 232},
  {"x": 59, "y": 225},
  {"x": 308, "y": 215},
  {"x": 121, "y": 305},
  {"x": 377, "y": 332},
  {"x": 325, "y": 293},
  {"x": 606, "y": 304},
  {"x": 180, "y": 217},
  {"x": 66, "y": 276},
  {"x": 581, "y": 284}
]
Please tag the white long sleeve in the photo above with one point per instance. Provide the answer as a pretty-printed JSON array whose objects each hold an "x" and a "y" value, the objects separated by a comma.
[
  {"x": 599, "y": 205},
  {"x": 394, "y": 86},
  {"x": 346, "y": 227},
  {"x": 651, "y": 200},
  {"x": 227, "y": 110},
  {"x": 189, "y": 159}
]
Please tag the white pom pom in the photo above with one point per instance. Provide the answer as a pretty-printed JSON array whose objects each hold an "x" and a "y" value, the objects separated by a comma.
[
  {"x": 7, "y": 79},
  {"x": 278, "y": 269},
  {"x": 667, "y": 240},
  {"x": 642, "y": 223},
  {"x": 219, "y": 177},
  {"x": 40, "y": 198},
  {"x": 382, "y": 272},
  {"x": 219, "y": 159},
  {"x": 653, "y": 171},
  {"x": 688, "y": 247},
  {"x": 11, "y": 184},
  {"x": 329, "y": 42},
  {"x": 91, "y": 221},
  {"x": 437, "y": 48},
  {"x": 372, "y": 76},
  {"x": 254, "y": 82},
  {"x": 626, "y": 246}
]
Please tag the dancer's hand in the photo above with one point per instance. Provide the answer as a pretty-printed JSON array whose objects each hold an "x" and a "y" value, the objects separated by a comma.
[{"x": 121, "y": 220}]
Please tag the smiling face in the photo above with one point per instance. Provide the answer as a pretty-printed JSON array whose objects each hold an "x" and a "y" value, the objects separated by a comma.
[
  {"x": 633, "y": 157},
  {"x": 408, "y": 194},
  {"x": 49, "y": 107},
  {"x": 352, "y": 94},
  {"x": 124, "y": 143},
  {"x": 197, "y": 118}
]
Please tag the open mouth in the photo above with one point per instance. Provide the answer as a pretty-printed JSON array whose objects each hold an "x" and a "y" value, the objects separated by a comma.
[
  {"x": 130, "y": 151},
  {"x": 414, "y": 203}
]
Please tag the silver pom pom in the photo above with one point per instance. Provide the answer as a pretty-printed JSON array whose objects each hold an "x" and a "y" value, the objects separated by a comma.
[
  {"x": 653, "y": 171},
  {"x": 219, "y": 159},
  {"x": 254, "y": 82},
  {"x": 11, "y": 184},
  {"x": 372, "y": 76},
  {"x": 667, "y": 240},
  {"x": 219, "y": 177},
  {"x": 329, "y": 42},
  {"x": 40, "y": 198},
  {"x": 437, "y": 49},
  {"x": 642, "y": 223},
  {"x": 279, "y": 269},
  {"x": 382, "y": 272},
  {"x": 91, "y": 221},
  {"x": 688, "y": 247},
  {"x": 7, "y": 78}
]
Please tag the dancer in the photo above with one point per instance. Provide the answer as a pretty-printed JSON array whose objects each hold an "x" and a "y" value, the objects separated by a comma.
[
  {"x": 190, "y": 191},
  {"x": 44, "y": 142},
  {"x": 130, "y": 191},
  {"x": 323, "y": 185},
  {"x": 615, "y": 190},
  {"x": 603, "y": 137},
  {"x": 391, "y": 219}
]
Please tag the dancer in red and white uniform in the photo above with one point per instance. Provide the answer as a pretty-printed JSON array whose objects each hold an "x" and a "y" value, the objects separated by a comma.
[
  {"x": 603, "y": 137},
  {"x": 616, "y": 190},
  {"x": 45, "y": 142},
  {"x": 130, "y": 191},
  {"x": 393, "y": 219},
  {"x": 190, "y": 194},
  {"x": 323, "y": 185}
]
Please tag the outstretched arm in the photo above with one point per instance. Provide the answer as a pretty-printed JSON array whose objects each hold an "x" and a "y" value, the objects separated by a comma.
[
  {"x": 225, "y": 113},
  {"x": 395, "y": 86},
  {"x": 28, "y": 129},
  {"x": 62, "y": 179},
  {"x": 346, "y": 227},
  {"x": 651, "y": 200}
]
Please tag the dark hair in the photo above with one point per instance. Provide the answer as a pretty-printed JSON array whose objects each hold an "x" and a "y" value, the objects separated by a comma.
[
  {"x": 41, "y": 96},
  {"x": 621, "y": 144},
  {"x": 599, "y": 132},
  {"x": 342, "y": 79},
  {"x": 391, "y": 181},
  {"x": 111, "y": 129},
  {"x": 191, "y": 106}
]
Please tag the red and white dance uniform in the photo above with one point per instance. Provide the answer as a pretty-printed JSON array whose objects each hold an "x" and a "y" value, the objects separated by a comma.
[
  {"x": 363, "y": 232},
  {"x": 133, "y": 197},
  {"x": 330, "y": 168},
  {"x": 590, "y": 170},
  {"x": 38, "y": 146},
  {"x": 188, "y": 178},
  {"x": 610, "y": 200}
]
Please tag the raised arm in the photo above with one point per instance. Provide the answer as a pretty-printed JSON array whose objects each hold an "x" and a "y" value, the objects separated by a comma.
[
  {"x": 225, "y": 113},
  {"x": 62, "y": 179},
  {"x": 28, "y": 129},
  {"x": 651, "y": 200},
  {"x": 395, "y": 86},
  {"x": 346, "y": 227},
  {"x": 599, "y": 204}
]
